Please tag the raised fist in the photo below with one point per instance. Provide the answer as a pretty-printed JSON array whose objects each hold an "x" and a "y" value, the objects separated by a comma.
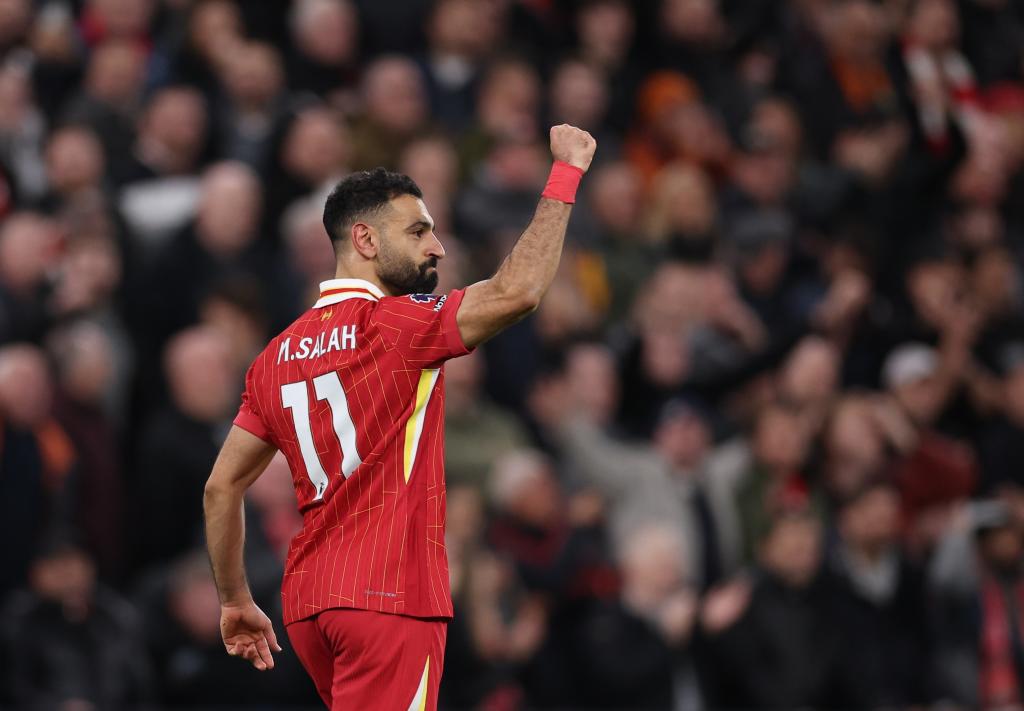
[{"x": 572, "y": 145}]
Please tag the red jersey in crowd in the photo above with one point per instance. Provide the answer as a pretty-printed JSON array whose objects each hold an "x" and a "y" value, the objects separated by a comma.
[{"x": 353, "y": 394}]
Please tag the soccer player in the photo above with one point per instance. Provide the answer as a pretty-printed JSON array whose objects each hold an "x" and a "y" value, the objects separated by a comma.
[{"x": 352, "y": 393}]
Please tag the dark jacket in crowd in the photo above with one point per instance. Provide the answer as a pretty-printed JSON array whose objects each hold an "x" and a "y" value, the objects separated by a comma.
[
  {"x": 784, "y": 652},
  {"x": 883, "y": 638},
  {"x": 622, "y": 661},
  {"x": 175, "y": 459},
  {"x": 37, "y": 475},
  {"x": 50, "y": 657}
]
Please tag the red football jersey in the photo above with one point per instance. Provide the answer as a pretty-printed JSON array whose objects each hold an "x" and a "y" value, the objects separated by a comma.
[{"x": 353, "y": 394}]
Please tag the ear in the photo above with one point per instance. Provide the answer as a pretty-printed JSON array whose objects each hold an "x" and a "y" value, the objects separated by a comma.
[{"x": 365, "y": 240}]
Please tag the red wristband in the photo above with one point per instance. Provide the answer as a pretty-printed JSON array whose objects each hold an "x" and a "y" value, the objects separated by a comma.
[{"x": 563, "y": 182}]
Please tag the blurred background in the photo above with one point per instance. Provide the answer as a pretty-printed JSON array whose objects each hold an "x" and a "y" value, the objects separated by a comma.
[{"x": 762, "y": 446}]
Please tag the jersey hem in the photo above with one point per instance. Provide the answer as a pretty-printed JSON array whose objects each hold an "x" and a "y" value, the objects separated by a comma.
[{"x": 428, "y": 618}]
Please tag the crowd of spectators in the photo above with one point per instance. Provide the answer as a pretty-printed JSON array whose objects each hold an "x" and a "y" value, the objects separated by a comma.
[{"x": 762, "y": 445}]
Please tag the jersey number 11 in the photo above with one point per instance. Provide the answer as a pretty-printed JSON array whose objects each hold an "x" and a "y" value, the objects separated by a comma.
[{"x": 295, "y": 397}]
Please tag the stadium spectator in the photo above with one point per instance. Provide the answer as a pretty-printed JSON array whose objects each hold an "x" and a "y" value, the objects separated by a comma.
[
  {"x": 278, "y": 521},
  {"x": 932, "y": 470},
  {"x": 507, "y": 112},
  {"x": 395, "y": 111},
  {"x": 461, "y": 35},
  {"x": 222, "y": 241},
  {"x": 477, "y": 432},
  {"x": 615, "y": 200},
  {"x": 879, "y": 604},
  {"x": 692, "y": 39},
  {"x": 502, "y": 628},
  {"x": 605, "y": 37},
  {"x": 579, "y": 97},
  {"x": 70, "y": 641},
  {"x": 314, "y": 154},
  {"x": 23, "y": 130},
  {"x": 29, "y": 246},
  {"x": 551, "y": 538},
  {"x": 160, "y": 183},
  {"x": 1002, "y": 438},
  {"x": 776, "y": 481},
  {"x": 682, "y": 212},
  {"x": 17, "y": 18},
  {"x": 127, "y": 20},
  {"x": 433, "y": 163},
  {"x": 638, "y": 643},
  {"x": 57, "y": 69},
  {"x": 182, "y": 615},
  {"x": 235, "y": 307},
  {"x": 213, "y": 30},
  {"x": 664, "y": 483},
  {"x": 309, "y": 255},
  {"x": 86, "y": 406},
  {"x": 179, "y": 443},
  {"x": 494, "y": 204},
  {"x": 978, "y": 585},
  {"x": 808, "y": 380},
  {"x": 772, "y": 642},
  {"x": 250, "y": 107},
  {"x": 74, "y": 169},
  {"x": 941, "y": 79},
  {"x": 325, "y": 39},
  {"x": 765, "y": 167},
  {"x": 110, "y": 96},
  {"x": 855, "y": 444},
  {"x": 88, "y": 284},
  {"x": 38, "y": 468}
]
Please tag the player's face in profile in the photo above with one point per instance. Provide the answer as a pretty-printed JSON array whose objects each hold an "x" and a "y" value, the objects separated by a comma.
[{"x": 409, "y": 250}]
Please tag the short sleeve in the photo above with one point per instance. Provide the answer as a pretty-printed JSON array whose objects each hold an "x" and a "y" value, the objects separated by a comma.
[
  {"x": 422, "y": 327},
  {"x": 249, "y": 417}
]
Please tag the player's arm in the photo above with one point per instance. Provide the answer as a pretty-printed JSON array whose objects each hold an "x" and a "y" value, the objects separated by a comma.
[
  {"x": 517, "y": 287},
  {"x": 246, "y": 630}
]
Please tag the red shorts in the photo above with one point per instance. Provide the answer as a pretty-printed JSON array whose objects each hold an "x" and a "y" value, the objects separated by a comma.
[{"x": 372, "y": 660}]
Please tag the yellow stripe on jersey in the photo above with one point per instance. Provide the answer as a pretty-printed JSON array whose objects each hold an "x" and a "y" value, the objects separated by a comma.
[{"x": 414, "y": 427}]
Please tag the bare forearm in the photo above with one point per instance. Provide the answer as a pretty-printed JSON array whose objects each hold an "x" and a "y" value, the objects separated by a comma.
[
  {"x": 522, "y": 279},
  {"x": 242, "y": 458},
  {"x": 516, "y": 288},
  {"x": 225, "y": 540},
  {"x": 530, "y": 267}
]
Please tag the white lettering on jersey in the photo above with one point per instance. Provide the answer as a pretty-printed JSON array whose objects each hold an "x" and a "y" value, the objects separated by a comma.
[
  {"x": 348, "y": 337},
  {"x": 342, "y": 339}
]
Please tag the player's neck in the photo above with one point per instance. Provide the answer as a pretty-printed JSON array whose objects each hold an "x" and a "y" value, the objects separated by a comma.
[{"x": 346, "y": 271}]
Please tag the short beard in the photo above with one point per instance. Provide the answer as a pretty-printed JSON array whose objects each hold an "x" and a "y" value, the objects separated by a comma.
[{"x": 402, "y": 276}]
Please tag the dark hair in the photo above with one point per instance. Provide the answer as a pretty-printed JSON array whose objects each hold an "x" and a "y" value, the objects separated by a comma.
[
  {"x": 244, "y": 292},
  {"x": 57, "y": 541},
  {"x": 870, "y": 485},
  {"x": 362, "y": 193}
]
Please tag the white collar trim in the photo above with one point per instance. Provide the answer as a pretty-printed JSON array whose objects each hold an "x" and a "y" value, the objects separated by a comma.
[{"x": 334, "y": 291}]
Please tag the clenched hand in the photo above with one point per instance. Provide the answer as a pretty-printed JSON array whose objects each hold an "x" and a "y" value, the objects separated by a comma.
[{"x": 572, "y": 145}]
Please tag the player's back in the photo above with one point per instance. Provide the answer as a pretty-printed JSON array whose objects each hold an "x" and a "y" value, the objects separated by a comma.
[{"x": 352, "y": 394}]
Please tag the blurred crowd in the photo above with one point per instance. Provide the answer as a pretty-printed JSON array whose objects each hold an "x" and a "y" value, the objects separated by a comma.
[{"x": 762, "y": 446}]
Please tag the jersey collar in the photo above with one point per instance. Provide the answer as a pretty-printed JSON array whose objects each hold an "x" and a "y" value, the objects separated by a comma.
[{"x": 334, "y": 291}]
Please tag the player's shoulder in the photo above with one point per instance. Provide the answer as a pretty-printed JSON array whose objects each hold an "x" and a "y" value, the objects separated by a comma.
[{"x": 413, "y": 304}]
